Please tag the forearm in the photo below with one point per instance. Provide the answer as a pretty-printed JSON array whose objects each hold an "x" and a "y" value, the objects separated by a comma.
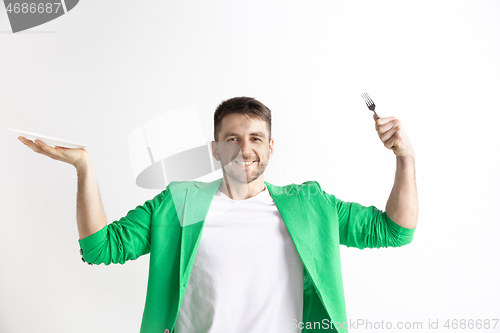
[
  {"x": 90, "y": 215},
  {"x": 402, "y": 206}
]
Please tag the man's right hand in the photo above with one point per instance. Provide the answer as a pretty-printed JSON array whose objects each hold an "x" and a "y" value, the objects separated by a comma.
[
  {"x": 89, "y": 212},
  {"x": 73, "y": 156}
]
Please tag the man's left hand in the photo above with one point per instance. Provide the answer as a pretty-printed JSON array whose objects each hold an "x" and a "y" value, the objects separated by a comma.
[{"x": 391, "y": 133}]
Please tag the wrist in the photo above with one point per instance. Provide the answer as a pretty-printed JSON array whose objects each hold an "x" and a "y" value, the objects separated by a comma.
[
  {"x": 83, "y": 164},
  {"x": 410, "y": 155},
  {"x": 407, "y": 157},
  {"x": 405, "y": 161}
]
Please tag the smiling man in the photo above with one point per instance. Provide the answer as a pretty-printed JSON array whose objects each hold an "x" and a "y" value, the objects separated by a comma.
[{"x": 239, "y": 254}]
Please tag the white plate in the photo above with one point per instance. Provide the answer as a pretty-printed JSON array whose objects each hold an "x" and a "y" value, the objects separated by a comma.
[{"x": 49, "y": 139}]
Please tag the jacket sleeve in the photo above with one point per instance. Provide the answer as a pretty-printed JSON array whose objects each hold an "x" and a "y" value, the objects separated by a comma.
[
  {"x": 125, "y": 239},
  {"x": 367, "y": 227}
]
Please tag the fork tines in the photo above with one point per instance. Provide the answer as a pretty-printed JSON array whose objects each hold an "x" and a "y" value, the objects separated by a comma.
[{"x": 369, "y": 102}]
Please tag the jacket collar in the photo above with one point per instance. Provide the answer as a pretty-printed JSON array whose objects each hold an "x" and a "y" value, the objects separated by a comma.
[{"x": 195, "y": 206}]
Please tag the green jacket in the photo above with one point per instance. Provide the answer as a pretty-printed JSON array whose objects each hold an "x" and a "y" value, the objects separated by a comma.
[{"x": 318, "y": 223}]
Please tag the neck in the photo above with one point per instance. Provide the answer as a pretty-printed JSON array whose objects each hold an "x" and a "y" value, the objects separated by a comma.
[{"x": 241, "y": 191}]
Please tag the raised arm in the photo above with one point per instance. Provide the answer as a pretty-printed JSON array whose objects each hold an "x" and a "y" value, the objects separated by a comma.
[
  {"x": 361, "y": 226},
  {"x": 90, "y": 215},
  {"x": 402, "y": 206},
  {"x": 122, "y": 240}
]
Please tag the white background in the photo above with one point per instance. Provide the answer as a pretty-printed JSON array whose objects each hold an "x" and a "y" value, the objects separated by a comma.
[{"x": 98, "y": 72}]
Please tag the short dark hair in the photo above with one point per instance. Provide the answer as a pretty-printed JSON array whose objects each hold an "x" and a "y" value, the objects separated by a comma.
[{"x": 248, "y": 106}]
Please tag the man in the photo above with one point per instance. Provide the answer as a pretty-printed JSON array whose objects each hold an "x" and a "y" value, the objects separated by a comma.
[{"x": 258, "y": 257}]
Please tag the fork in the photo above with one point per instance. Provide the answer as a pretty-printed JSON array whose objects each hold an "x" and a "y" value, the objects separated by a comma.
[{"x": 371, "y": 105}]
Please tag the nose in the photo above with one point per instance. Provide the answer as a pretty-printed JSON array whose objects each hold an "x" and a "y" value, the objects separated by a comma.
[{"x": 246, "y": 148}]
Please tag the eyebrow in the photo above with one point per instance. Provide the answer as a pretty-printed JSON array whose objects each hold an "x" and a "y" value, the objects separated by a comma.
[{"x": 228, "y": 134}]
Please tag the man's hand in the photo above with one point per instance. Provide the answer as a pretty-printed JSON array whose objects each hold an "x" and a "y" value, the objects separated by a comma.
[
  {"x": 391, "y": 133},
  {"x": 69, "y": 155}
]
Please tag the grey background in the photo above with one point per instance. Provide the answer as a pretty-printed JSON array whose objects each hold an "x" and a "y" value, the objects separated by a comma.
[{"x": 101, "y": 70}]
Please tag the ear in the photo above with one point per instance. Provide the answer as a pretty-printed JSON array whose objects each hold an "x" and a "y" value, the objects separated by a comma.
[
  {"x": 271, "y": 148},
  {"x": 215, "y": 151}
]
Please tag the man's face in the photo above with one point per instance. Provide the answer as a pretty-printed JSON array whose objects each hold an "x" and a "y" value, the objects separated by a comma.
[{"x": 243, "y": 139}]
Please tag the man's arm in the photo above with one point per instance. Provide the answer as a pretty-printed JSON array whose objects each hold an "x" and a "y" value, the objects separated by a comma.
[
  {"x": 89, "y": 212},
  {"x": 402, "y": 205},
  {"x": 90, "y": 215},
  {"x": 117, "y": 242}
]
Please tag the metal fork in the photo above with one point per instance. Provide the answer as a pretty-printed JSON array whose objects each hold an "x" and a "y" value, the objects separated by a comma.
[{"x": 371, "y": 105}]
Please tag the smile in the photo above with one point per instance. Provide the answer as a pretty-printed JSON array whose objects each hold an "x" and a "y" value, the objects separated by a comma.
[{"x": 245, "y": 164}]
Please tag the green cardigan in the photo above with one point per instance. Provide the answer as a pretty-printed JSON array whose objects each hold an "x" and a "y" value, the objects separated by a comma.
[{"x": 170, "y": 225}]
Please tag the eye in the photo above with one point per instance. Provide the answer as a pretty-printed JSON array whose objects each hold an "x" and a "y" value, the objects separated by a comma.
[
  {"x": 257, "y": 139},
  {"x": 231, "y": 139}
]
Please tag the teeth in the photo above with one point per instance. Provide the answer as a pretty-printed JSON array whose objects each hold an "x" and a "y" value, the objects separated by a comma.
[{"x": 244, "y": 163}]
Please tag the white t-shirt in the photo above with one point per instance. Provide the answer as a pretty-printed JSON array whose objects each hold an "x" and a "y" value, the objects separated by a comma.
[{"x": 247, "y": 275}]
